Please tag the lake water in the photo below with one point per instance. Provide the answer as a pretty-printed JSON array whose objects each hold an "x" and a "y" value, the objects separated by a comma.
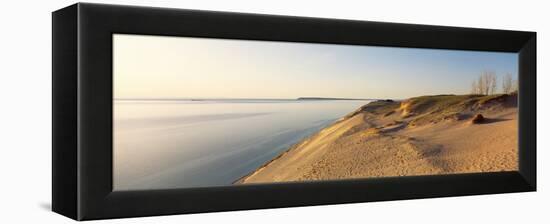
[{"x": 162, "y": 144}]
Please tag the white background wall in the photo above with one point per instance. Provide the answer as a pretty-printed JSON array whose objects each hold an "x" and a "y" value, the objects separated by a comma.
[{"x": 25, "y": 120}]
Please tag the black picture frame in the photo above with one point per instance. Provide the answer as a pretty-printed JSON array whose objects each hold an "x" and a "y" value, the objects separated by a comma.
[{"x": 82, "y": 110}]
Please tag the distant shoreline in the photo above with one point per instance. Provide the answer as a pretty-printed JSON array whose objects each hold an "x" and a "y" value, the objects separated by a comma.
[{"x": 329, "y": 98}]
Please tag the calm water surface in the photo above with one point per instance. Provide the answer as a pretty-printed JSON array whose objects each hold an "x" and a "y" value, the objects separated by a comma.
[{"x": 182, "y": 143}]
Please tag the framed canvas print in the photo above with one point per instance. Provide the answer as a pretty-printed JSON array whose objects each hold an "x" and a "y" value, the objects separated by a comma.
[{"x": 168, "y": 111}]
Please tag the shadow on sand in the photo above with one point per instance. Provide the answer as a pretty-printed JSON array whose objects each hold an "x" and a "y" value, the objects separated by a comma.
[{"x": 493, "y": 120}]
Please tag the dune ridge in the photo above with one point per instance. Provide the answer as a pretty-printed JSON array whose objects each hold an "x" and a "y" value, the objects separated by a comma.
[{"x": 419, "y": 136}]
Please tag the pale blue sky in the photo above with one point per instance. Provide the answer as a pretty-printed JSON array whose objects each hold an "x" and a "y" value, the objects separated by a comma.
[{"x": 180, "y": 67}]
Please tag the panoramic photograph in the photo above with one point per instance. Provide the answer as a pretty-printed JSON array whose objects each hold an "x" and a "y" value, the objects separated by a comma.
[{"x": 204, "y": 112}]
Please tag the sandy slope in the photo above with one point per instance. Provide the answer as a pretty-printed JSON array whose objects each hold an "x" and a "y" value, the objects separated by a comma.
[{"x": 419, "y": 136}]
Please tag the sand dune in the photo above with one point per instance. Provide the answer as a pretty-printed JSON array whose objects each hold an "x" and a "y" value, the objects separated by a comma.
[{"x": 419, "y": 136}]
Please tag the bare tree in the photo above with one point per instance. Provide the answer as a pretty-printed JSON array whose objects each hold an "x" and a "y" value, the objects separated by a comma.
[
  {"x": 481, "y": 84},
  {"x": 486, "y": 83},
  {"x": 507, "y": 83},
  {"x": 474, "y": 87},
  {"x": 515, "y": 86},
  {"x": 477, "y": 86},
  {"x": 491, "y": 82}
]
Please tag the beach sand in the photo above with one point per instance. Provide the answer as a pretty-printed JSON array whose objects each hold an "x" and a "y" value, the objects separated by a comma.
[{"x": 425, "y": 135}]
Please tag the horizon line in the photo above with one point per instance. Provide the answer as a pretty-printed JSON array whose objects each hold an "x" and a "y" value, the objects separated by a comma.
[{"x": 243, "y": 98}]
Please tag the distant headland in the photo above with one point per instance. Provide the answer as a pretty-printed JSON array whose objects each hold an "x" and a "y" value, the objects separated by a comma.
[{"x": 328, "y": 98}]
